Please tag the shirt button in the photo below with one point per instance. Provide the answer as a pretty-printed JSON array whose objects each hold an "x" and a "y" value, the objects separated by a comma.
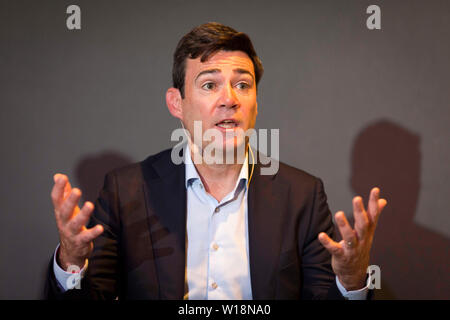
[
  {"x": 215, "y": 246},
  {"x": 217, "y": 210},
  {"x": 214, "y": 285}
]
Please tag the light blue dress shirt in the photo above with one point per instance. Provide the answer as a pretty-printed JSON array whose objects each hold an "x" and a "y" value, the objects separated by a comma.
[{"x": 218, "y": 266}]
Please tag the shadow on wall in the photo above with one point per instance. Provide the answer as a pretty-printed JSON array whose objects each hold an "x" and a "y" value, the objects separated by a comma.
[
  {"x": 414, "y": 261},
  {"x": 91, "y": 170}
]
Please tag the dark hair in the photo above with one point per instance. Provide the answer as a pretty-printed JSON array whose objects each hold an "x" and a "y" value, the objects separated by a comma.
[{"x": 206, "y": 40}]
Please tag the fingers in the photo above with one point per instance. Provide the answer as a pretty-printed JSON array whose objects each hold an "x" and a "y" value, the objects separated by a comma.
[
  {"x": 61, "y": 189},
  {"x": 333, "y": 247},
  {"x": 67, "y": 189},
  {"x": 57, "y": 193},
  {"x": 69, "y": 207},
  {"x": 67, "y": 186},
  {"x": 381, "y": 204},
  {"x": 89, "y": 235},
  {"x": 376, "y": 205},
  {"x": 65, "y": 200},
  {"x": 75, "y": 238},
  {"x": 81, "y": 218},
  {"x": 347, "y": 233},
  {"x": 373, "y": 204},
  {"x": 362, "y": 221}
]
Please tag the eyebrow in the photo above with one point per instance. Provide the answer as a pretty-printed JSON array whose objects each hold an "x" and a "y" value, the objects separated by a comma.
[
  {"x": 212, "y": 71},
  {"x": 243, "y": 71}
]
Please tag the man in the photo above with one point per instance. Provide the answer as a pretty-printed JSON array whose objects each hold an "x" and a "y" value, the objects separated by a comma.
[{"x": 202, "y": 230}]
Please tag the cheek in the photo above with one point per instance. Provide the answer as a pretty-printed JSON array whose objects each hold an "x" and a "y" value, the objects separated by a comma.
[
  {"x": 197, "y": 109},
  {"x": 204, "y": 105},
  {"x": 251, "y": 110}
]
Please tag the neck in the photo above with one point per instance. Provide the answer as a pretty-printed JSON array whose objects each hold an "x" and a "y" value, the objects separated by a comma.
[{"x": 218, "y": 179}]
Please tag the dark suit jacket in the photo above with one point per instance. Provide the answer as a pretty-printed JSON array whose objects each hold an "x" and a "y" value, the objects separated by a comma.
[{"x": 141, "y": 254}]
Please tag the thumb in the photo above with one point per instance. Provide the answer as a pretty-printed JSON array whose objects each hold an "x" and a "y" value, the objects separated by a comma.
[{"x": 333, "y": 247}]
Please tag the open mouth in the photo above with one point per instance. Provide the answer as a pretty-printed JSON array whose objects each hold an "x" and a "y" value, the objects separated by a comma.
[{"x": 227, "y": 124}]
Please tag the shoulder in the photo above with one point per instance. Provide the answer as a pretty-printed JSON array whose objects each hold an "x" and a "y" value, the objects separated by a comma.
[
  {"x": 298, "y": 187},
  {"x": 302, "y": 184},
  {"x": 289, "y": 175},
  {"x": 139, "y": 171}
]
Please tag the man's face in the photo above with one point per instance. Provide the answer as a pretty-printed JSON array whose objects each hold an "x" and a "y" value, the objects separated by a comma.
[{"x": 221, "y": 93}]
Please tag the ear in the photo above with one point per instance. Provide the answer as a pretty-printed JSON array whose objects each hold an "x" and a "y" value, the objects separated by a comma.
[{"x": 173, "y": 101}]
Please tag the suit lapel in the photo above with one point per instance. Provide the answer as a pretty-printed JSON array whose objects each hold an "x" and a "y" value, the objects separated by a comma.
[
  {"x": 265, "y": 201},
  {"x": 166, "y": 208}
]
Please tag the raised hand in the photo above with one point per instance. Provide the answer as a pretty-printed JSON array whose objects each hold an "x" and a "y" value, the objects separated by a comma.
[
  {"x": 350, "y": 256},
  {"x": 75, "y": 239}
]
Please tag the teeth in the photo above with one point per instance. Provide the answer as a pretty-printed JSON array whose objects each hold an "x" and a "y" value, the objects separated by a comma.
[{"x": 227, "y": 124}]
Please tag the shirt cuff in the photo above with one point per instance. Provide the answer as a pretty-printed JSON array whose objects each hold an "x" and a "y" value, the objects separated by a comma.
[
  {"x": 70, "y": 279},
  {"x": 360, "y": 294}
]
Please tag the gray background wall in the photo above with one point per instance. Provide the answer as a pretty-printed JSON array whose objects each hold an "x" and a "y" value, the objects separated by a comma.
[{"x": 354, "y": 107}]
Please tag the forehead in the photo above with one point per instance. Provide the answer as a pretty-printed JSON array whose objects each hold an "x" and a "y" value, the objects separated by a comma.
[{"x": 222, "y": 60}]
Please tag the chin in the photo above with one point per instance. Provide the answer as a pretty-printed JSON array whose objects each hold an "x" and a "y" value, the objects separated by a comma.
[
  {"x": 235, "y": 149},
  {"x": 225, "y": 152}
]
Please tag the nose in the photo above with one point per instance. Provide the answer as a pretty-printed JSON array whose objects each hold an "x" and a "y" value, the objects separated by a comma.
[{"x": 228, "y": 98}]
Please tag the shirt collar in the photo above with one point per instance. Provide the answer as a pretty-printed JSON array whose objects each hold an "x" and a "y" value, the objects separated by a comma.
[{"x": 192, "y": 174}]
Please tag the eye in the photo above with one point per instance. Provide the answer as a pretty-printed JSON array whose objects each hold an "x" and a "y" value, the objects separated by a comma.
[
  {"x": 209, "y": 85},
  {"x": 243, "y": 85}
]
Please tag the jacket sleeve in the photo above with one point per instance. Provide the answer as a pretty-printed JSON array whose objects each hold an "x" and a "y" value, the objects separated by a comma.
[{"x": 318, "y": 278}]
